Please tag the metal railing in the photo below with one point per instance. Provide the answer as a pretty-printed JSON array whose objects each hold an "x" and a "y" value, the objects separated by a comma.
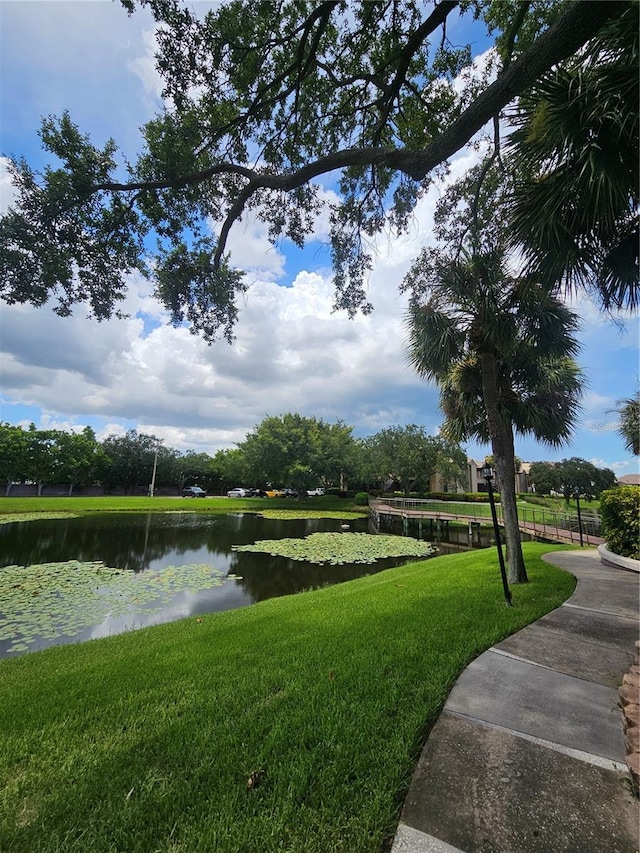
[{"x": 536, "y": 521}]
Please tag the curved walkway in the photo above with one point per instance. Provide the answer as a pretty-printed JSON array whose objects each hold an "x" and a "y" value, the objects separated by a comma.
[{"x": 528, "y": 753}]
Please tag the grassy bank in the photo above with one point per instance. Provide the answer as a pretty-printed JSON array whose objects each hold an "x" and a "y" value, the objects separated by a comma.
[
  {"x": 146, "y": 741},
  {"x": 80, "y": 506}
]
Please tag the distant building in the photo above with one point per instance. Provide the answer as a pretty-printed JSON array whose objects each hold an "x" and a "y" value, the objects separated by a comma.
[
  {"x": 629, "y": 480},
  {"x": 477, "y": 483},
  {"x": 473, "y": 481},
  {"x": 437, "y": 483},
  {"x": 522, "y": 479}
]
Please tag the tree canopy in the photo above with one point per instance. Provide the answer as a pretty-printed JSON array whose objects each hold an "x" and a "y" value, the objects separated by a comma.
[
  {"x": 410, "y": 456},
  {"x": 298, "y": 452},
  {"x": 571, "y": 474},
  {"x": 262, "y": 100}
]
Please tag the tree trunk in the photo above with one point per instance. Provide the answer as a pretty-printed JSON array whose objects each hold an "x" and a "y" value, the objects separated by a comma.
[
  {"x": 508, "y": 498},
  {"x": 501, "y": 434}
]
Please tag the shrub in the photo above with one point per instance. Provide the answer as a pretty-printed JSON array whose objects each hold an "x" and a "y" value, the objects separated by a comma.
[
  {"x": 620, "y": 514},
  {"x": 362, "y": 498}
]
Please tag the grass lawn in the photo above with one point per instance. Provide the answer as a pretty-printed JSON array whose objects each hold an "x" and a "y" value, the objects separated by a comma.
[
  {"x": 146, "y": 741},
  {"x": 34, "y": 507},
  {"x": 81, "y": 506}
]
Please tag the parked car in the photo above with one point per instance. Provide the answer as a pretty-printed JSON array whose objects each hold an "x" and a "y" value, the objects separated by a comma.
[
  {"x": 315, "y": 492},
  {"x": 238, "y": 493},
  {"x": 193, "y": 492}
]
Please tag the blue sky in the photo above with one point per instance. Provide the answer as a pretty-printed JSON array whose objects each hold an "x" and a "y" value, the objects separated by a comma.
[{"x": 291, "y": 354}]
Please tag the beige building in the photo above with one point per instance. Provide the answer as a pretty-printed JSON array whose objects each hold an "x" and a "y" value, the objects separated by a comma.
[
  {"x": 629, "y": 480},
  {"x": 475, "y": 482}
]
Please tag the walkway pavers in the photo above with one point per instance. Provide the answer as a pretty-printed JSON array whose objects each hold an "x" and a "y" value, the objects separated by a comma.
[{"x": 529, "y": 751}]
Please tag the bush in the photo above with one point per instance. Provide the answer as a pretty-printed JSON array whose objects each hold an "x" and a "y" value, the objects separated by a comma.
[
  {"x": 462, "y": 497},
  {"x": 620, "y": 514},
  {"x": 362, "y": 498},
  {"x": 459, "y": 497}
]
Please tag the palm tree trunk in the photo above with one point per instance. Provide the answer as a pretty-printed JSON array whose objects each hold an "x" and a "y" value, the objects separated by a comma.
[
  {"x": 501, "y": 434},
  {"x": 517, "y": 571}
]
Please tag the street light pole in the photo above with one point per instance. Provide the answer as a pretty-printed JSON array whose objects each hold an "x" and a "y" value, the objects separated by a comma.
[
  {"x": 152, "y": 487},
  {"x": 576, "y": 494},
  {"x": 487, "y": 473}
]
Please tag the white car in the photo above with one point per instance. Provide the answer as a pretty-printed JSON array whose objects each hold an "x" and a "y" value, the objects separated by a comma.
[
  {"x": 315, "y": 492},
  {"x": 238, "y": 493}
]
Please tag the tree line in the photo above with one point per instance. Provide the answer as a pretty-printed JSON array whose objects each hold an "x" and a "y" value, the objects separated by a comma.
[
  {"x": 290, "y": 450},
  {"x": 78, "y": 459}
]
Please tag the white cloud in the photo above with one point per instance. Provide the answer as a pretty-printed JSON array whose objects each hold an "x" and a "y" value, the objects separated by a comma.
[
  {"x": 250, "y": 249},
  {"x": 111, "y": 429},
  {"x": 8, "y": 192},
  {"x": 292, "y": 353},
  {"x": 619, "y": 468},
  {"x": 144, "y": 67},
  {"x": 592, "y": 401}
]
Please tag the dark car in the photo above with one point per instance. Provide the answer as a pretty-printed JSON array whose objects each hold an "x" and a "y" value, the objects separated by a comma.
[{"x": 193, "y": 492}]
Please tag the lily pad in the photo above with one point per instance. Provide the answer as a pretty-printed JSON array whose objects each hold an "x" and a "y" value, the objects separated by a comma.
[
  {"x": 294, "y": 514},
  {"x": 55, "y": 599},
  {"x": 340, "y": 548},
  {"x": 8, "y": 517}
]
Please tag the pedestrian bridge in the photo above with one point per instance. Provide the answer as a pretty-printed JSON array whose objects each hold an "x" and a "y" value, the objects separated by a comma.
[{"x": 538, "y": 522}]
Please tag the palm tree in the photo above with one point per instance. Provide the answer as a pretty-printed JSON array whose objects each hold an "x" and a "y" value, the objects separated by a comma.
[
  {"x": 574, "y": 210},
  {"x": 629, "y": 428},
  {"x": 501, "y": 350}
]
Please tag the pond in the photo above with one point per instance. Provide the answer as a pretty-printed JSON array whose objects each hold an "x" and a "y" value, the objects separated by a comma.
[
  {"x": 103, "y": 574},
  {"x": 171, "y": 565}
]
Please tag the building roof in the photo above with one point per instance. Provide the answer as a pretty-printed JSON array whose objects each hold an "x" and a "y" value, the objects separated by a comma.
[{"x": 630, "y": 480}]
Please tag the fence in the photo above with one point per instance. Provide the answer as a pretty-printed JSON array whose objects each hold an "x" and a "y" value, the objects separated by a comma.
[{"x": 544, "y": 523}]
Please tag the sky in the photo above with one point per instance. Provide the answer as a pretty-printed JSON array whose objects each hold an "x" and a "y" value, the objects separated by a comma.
[{"x": 291, "y": 352}]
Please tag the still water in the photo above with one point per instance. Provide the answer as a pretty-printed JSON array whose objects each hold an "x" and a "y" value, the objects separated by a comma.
[{"x": 140, "y": 543}]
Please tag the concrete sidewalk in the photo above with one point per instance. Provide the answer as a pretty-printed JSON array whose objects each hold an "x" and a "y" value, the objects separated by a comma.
[{"x": 528, "y": 753}]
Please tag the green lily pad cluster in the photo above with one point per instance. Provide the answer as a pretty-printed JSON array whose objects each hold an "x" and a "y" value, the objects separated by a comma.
[
  {"x": 296, "y": 514},
  {"x": 337, "y": 549},
  {"x": 7, "y": 517},
  {"x": 50, "y": 600}
]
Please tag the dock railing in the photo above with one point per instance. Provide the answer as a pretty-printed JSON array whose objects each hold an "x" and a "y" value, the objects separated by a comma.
[{"x": 537, "y": 521}]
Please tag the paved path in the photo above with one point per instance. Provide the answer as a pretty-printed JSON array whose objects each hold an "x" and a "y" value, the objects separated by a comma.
[{"x": 528, "y": 753}]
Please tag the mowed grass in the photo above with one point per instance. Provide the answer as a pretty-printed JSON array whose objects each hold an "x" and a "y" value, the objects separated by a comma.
[
  {"x": 146, "y": 741},
  {"x": 78, "y": 506}
]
